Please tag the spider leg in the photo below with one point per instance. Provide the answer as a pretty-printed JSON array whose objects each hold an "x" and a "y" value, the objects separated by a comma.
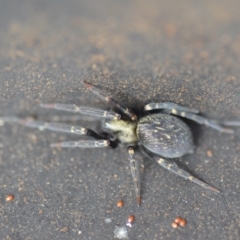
[
  {"x": 101, "y": 95},
  {"x": 83, "y": 110},
  {"x": 189, "y": 113},
  {"x": 135, "y": 174},
  {"x": 231, "y": 123},
  {"x": 58, "y": 127},
  {"x": 201, "y": 120},
  {"x": 169, "y": 105},
  {"x": 82, "y": 144},
  {"x": 172, "y": 166},
  {"x": 196, "y": 118},
  {"x": 61, "y": 127}
]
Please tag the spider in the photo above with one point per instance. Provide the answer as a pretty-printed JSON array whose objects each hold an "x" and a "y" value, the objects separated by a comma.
[{"x": 162, "y": 136}]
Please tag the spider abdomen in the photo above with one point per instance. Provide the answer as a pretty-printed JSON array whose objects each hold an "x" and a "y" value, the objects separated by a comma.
[{"x": 165, "y": 135}]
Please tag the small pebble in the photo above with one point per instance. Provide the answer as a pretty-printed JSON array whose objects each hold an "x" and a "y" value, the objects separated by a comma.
[
  {"x": 182, "y": 223},
  {"x": 209, "y": 153},
  {"x": 120, "y": 203},
  {"x": 9, "y": 198},
  {"x": 174, "y": 225},
  {"x": 177, "y": 220},
  {"x": 130, "y": 220}
]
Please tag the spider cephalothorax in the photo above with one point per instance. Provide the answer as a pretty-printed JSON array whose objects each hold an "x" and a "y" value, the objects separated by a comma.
[
  {"x": 162, "y": 135},
  {"x": 125, "y": 131}
]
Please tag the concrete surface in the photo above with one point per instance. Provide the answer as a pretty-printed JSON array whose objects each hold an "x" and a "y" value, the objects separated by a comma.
[{"x": 138, "y": 51}]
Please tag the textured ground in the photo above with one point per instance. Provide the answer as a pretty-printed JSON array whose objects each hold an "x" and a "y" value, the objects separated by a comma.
[{"x": 139, "y": 51}]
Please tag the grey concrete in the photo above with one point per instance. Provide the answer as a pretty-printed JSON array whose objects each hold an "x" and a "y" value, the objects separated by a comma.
[{"x": 139, "y": 51}]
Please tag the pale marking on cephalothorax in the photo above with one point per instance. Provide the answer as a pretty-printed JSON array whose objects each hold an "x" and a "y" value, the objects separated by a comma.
[{"x": 125, "y": 130}]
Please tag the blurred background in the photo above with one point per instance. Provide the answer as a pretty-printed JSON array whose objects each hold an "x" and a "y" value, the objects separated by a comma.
[{"x": 187, "y": 52}]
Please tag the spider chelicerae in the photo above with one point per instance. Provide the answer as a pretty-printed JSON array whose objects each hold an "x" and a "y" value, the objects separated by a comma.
[{"x": 162, "y": 136}]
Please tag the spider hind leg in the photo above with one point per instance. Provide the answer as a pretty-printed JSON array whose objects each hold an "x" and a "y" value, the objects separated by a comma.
[
  {"x": 189, "y": 113},
  {"x": 173, "y": 167}
]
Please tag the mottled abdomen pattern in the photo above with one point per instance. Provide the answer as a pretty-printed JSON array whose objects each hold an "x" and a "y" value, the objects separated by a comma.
[{"x": 165, "y": 135}]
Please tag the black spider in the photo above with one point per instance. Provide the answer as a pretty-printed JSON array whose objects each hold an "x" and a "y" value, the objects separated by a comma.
[{"x": 162, "y": 135}]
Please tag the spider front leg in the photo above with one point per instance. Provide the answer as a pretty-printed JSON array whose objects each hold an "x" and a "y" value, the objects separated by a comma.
[
  {"x": 188, "y": 113},
  {"x": 172, "y": 166},
  {"x": 58, "y": 127},
  {"x": 83, "y": 110},
  {"x": 61, "y": 127},
  {"x": 135, "y": 174},
  {"x": 101, "y": 95}
]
